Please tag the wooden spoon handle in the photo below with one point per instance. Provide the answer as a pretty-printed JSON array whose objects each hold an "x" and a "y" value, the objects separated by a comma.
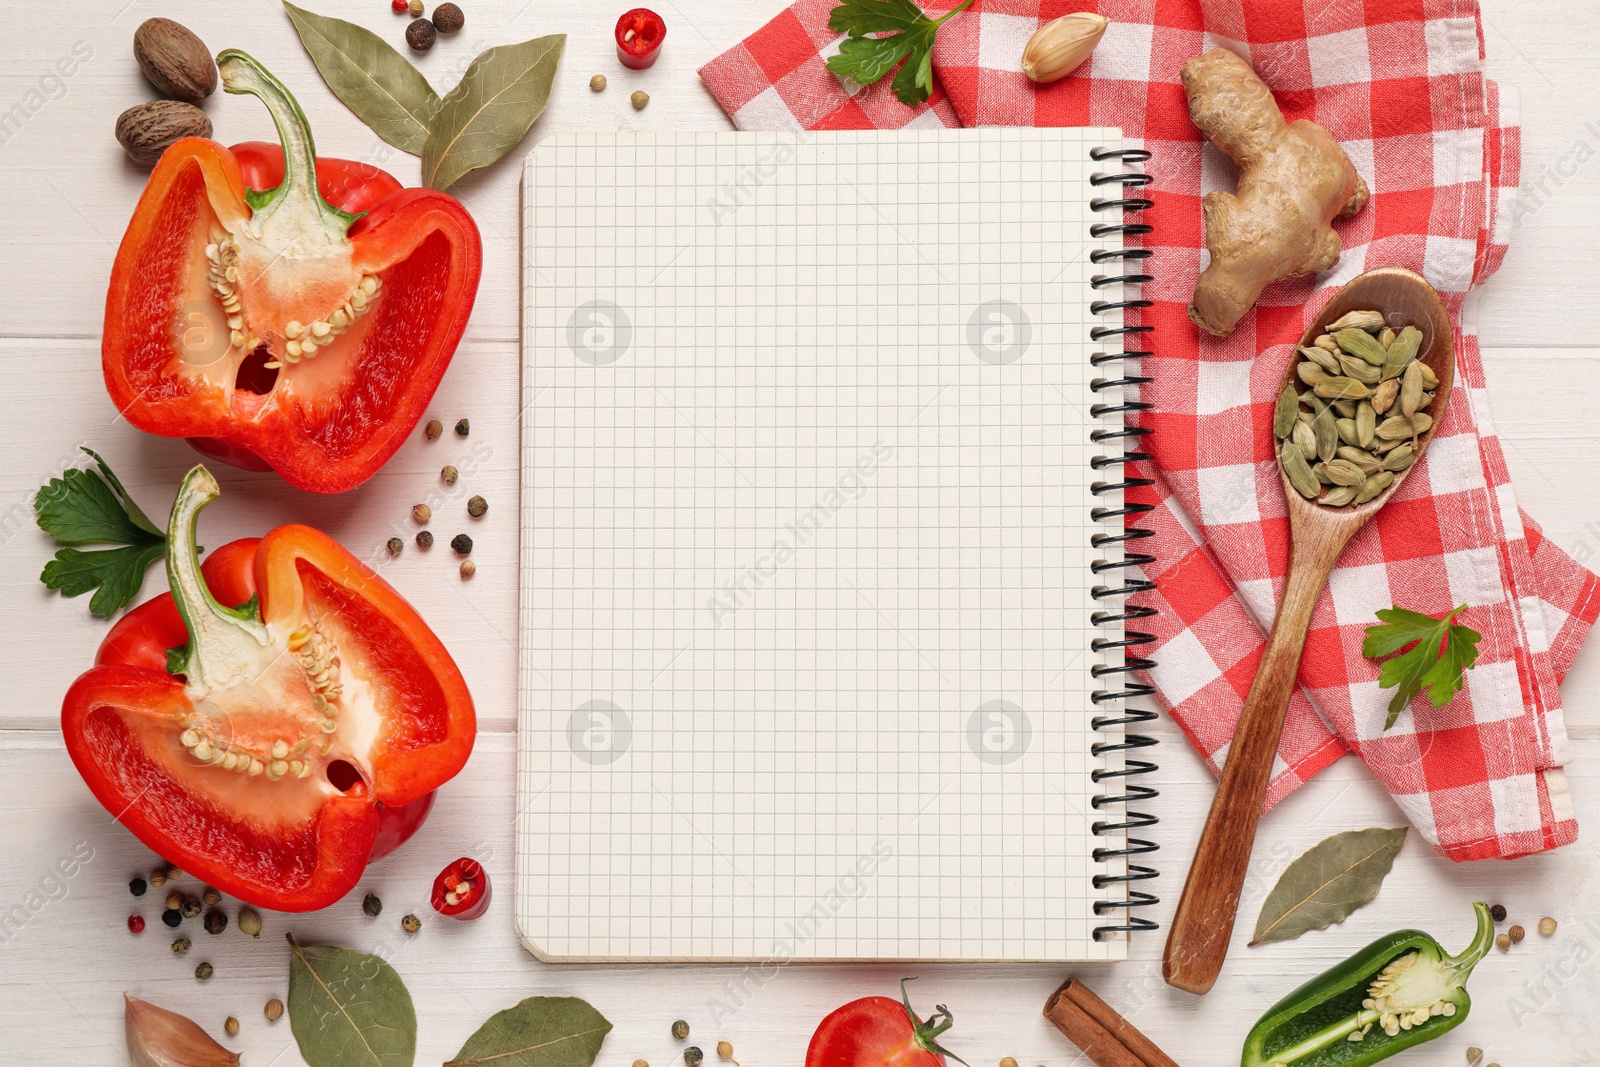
[{"x": 1198, "y": 939}]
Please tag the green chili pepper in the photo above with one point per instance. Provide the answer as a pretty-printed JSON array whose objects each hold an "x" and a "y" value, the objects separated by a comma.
[{"x": 1399, "y": 991}]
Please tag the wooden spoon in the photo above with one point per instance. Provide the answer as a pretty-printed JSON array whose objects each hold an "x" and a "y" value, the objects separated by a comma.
[{"x": 1198, "y": 940}]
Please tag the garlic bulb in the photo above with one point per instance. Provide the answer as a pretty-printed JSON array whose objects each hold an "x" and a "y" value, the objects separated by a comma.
[
  {"x": 1060, "y": 47},
  {"x": 161, "y": 1038}
]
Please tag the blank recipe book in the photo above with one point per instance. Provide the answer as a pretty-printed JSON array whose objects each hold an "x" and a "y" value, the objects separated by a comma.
[{"x": 822, "y": 571}]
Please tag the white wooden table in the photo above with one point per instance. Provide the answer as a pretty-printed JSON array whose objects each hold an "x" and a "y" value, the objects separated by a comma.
[{"x": 65, "y": 195}]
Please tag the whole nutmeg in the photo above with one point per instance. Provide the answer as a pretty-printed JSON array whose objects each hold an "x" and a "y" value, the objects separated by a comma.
[
  {"x": 147, "y": 130},
  {"x": 447, "y": 18},
  {"x": 420, "y": 35},
  {"x": 1060, "y": 47},
  {"x": 177, "y": 62}
]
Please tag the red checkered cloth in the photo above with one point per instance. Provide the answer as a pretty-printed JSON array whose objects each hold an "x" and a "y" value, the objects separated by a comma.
[{"x": 1400, "y": 84}]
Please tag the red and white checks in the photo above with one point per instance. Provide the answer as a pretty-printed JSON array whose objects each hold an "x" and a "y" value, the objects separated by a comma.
[{"x": 1400, "y": 84}]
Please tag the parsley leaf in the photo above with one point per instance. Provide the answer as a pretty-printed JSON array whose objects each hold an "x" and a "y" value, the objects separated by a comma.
[
  {"x": 865, "y": 59},
  {"x": 1443, "y": 651},
  {"x": 84, "y": 507}
]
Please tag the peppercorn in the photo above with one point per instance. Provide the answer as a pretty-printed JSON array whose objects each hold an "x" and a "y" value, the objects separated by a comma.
[
  {"x": 597, "y": 83},
  {"x": 1008, "y": 1061},
  {"x": 421, "y": 513},
  {"x": 462, "y": 544},
  {"x": 400, "y": 7},
  {"x": 136, "y": 923},
  {"x": 395, "y": 545},
  {"x": 468, "y": 568},
  {"x": 640, "y": 98},
  {"x": 1474, "y": 1056},
  {"x": 231, "y": 1025},
  {"x": 449, "y": 475},
  {"x": 414, "y": 8},
  {"x": 411, "y": 924},
  {"x": 175, "y": 900},
  {"x": 725, "y": 1052},
  {"x": 636, "y": 1063},
  {"x": 372, "y": 905},
  {"x": 433, "y": 429},
  {"x": 1497, "y": 912},
  {"x": 204, "y": 971},
  {"x": 447, "y": 18},
  {"x": 172, "y": 917},
  {"x": 192, "y": 907},
  {"x": 1516, "y": 933},
  {"x": 420, "y": 35},
  {"x": 137, "y": 887},
  {"x": 1547, "y": 926},
  {"x": 211, "y": 897},
  {"x": 477, "y": 507},
  {"x": 1502, "y": 942},
  {"x": 274, "y": 1010},
  {"x": 424, "y": 539},
  {"x": 181, "y": 946},
  {"x": 692, "y": 1056},
  {"x": 216, "y": 922},
  {"x": 463, "y": 428},
  {"x": 680, "y": 1029}
]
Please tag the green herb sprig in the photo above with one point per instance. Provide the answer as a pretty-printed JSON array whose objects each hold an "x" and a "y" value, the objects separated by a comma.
[
  {"x": 1442, "y": 654},
  {"x": 908, "y": 35},
  {"x": 85, "y": 507}
]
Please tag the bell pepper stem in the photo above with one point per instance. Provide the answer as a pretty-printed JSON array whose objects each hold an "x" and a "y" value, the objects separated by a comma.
[
  {"x": 223, "y": 642},
  {"x": 1461, "y": 965}
]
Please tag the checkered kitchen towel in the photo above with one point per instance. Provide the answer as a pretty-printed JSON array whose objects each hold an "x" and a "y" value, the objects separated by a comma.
[{"x": 1400, "y": 84}]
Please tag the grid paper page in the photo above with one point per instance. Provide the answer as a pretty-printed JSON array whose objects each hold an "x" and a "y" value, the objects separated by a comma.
[{"x": 805, "y": 564}]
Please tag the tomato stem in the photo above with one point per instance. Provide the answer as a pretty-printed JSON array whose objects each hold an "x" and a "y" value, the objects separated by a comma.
[{"x": 926, "y": 1031}]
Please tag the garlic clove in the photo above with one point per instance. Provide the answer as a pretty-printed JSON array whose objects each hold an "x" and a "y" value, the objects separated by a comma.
[
  {"x": 161, "y": 1038},
  {"x": 1060, "y": 47}
]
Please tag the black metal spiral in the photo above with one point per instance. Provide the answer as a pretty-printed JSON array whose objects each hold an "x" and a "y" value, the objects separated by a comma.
[{"x": 1127, "y": 438}]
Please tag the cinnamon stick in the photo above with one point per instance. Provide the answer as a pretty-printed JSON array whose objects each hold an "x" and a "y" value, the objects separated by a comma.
[{"x": 1105, "y": 1037}]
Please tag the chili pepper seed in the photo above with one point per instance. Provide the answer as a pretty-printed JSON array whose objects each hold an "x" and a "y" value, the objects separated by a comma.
[
  {"x": 1547, "y": 926},
  {"x": 597, "y": 83},
  {"x": 680, "y": 1029},
  {"x": 411, "y": 924},
  {"x": 231, "y": 1025},
  {"x": 274, "y": 1010},
  {"x": 395, "y": 546},
  {"x": 449, "y": 475},
  {"x": 1497, "y": 912},
  {"x": 1516, "y": 934},
  {"x": 693, "y": 1056},
  {"x": 172, "y": 917},
  {"x": 468, "y": 568},
  {"x": 1502, "y": 942},
  {"x": 249, "y": 922},
  {"x": 204, "y": 971},
  {"x": 640, "y": 98},
  {"x": 181, "y": 946},
  {"x": 447, "y": 18},
  {"x": 137, "y": 887},
  {"x": 477, "y": 507},
  {"x": 371, "y": 905},
  {"x": 463, "y": 428},
  {"x": 433, "y": 429},
  {"x": 421, "y": 513},
  {"x": 424, "y": 539},
  {"x": 136, "y": 923},
  {"x": 216, "y": 922},
  {"x": 211, "y": 897},
  {"x": 174, "y": 901}
]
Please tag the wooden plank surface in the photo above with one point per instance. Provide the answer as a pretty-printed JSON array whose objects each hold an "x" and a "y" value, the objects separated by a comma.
[{"x": 65, "y": 194}]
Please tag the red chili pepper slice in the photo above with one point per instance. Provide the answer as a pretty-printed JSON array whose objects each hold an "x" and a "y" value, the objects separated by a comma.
[
  {"x": 639, "y": 36},
  {"x": 462, "y": 890}
]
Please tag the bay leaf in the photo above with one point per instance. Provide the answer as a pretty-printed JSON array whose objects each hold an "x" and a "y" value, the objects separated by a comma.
[
  {"x": 1332, "y": 879},
  {"x": 349, "y": 1009},
  {"x": 497, "y": 101},
  {"x": 538, "y": 1032},
  {"x": 384, "y": 89}
]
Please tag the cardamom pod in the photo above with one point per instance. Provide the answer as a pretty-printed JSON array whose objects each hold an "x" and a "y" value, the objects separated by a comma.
[
  {"x": 1374, "y": 485},
  {"x": 1343, "y": 472},
  {"x": 1340, "y": 388},
  {"x": 1327, "y": 342},
  {"x": 1383, "y": 444},
  {"x": 1361, "y": 344},
  {"x": 1421, "y": 423},
  {"x": 1328, "y": 361},
  {"x": 1327, "y": 433},
  {"x": 1368, "y": 463},
  {"x": 1386, "y": 336},
  {"x": 1360, "y": 370},
  {"x": 1383, "y": 397},
  {"x": 1060, "y": 47},
  {"x": 1395, "y": 428},
  {"x": 1411, "y": 389},
  {"x": 1338, "y": 496},
  {"x": 1430, "y": 380},
  {"x": 1345, "y": 408},
  {"x": 1406, "y": 345},
  {"x": 1305, "y": 440},
  {"x": 1357, "y": 320},
  {"x": 1322, "y": 475},
  {"x": 1399, "y": 459},
  {"x": 1347, "y": 431},
  {"x": 1366, "y": 424},
  {"x": 1427, "y": 398},
  {"x": 1311, "y": 374},
  {"x": 1298, "y": 472},
  {"x": 1283, "y": 413}
]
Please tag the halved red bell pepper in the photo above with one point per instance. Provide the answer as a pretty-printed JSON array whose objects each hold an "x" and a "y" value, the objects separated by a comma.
[
  {"x": 260, "y": 753},
  {"x": 283, "y": 311}
]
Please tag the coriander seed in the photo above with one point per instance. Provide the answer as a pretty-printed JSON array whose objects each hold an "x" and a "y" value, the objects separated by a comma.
[
  {"x": 137, "y": 887},
  {"x": 1497, "y": 912},
  {"x": 1547, "y": 926},
  {"x": 420, "y": 35},
  {"x": 395, "y": 545},
  {"x": 1008, "y": 1061},
  {"x": 640, "y": 98},
  {"x": 463, "y": 428},
  {"x": 1516, "y": 934},
  {"x": 424, "y": 539},
  {"x": 216, "y": 922},
  {"x": 180, "y": 947},
  {"x": 449, "y": 475},
  {"x": 421, "y": 513},
  {"x": 172, "y": 917},
  {"x": 477, "y": 507},
  {"x": 158, "y": 878},
  {"x": 462, "y": 544},
  {"x": 680, "y": 1029},
  {"x": 468, "y": 568},
  {"x": 371, "y": 905},
  {"x": 231, "y": 1026},
  {"x": 249, "y": 922},
  {"x": 597, "y": 83},
  {"x": 414, "y": 8},
  {"x": 273, "y": 1010},
  {"x": 204, "y": 971},
  {"x": 174, "y": 900},
  {"x": 211, "y": 897},
  {"x": 192, "y": 907},
  {"x": 433, "y": 429},
  {"x": 692, "y": 1056},
  {"x": 447, "y": 18},
  {"x": 725, "y": 1052},
  {"x": 1502, "y": 942},
  {"x": 411, "y": 924},
  {"x": 636, "y": 1063},
  {"x": 171, "y": 871}
]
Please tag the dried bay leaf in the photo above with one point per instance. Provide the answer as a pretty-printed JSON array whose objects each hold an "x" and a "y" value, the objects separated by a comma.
[
  {"x": 376, "y": 82},
  {"x": 1327, "y": 883},
  {"x": 503, "y": 93},
  {"x": 538, "y": 1032},
  {"x": 349, "y": 1009}
]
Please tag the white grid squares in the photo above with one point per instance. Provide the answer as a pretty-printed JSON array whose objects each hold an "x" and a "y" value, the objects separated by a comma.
[{"x": 805, "y": 562}]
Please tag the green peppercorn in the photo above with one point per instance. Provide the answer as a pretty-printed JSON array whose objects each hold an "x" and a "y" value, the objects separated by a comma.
[
  {"x": 433, "y": 429},
  {"x": 463, "y": 428},
  {"x": 395, "y": 545},
  {"x": 693, "y": 1056},
  {"x": 424, "y": 539},
  {"x": 372, "y": 905},
  {"x": 137, "y": 887},
  {"x": 172, "y": 917},
  {"x": 216, "y": 922},
  {"x": 449, "y": 475},
  {"x": 181, "y": 946},
  {"x": 462, "y": 544},
  {"x": 680, "y": 1029},
  {"x": 204, "y": 971},
  {"x": 249, "y": 922},
  {"x": 192, "y": 907},
  {"x": 477, "y": 506},
  {"x": 411, "y": 924},
  {"x": 211, "y": 897}
]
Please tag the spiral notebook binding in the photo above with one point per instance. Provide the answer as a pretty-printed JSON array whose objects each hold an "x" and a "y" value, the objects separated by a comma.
[{"x": 1130, "y": 261}]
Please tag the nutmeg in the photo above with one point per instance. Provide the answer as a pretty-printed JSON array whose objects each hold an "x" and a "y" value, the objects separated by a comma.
[
  {"x": 1060, "y": 47},
  {"x": 147, "y": 130},
  {"x": 177, "y": 62}
]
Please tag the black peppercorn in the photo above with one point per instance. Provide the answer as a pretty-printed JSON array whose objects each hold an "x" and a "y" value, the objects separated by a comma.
[
  {"x": 137, "y": 887},
  {"x": 216, "y": 922},
  {"x": 1498, "y": 912},
  {"x": 462, "y": 544},
  {"x": 372, "y": 906},
  {"x": 463, "y": 428},
  {"x": 172, "y": 917},
  {"x": 424, "y": 539},
  {"x": 448, "y": 18},
  {"x": 420, "y": 35},
  {"x": 692, "y": 1056},
  {"x": 477, "y": 507}
]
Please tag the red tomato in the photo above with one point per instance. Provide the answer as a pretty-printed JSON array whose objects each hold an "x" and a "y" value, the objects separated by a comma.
[{"x": 879, "y": 1032}]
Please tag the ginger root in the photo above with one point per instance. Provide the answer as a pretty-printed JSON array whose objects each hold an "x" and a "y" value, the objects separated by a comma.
[{"x": 1293, "y": 180}]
